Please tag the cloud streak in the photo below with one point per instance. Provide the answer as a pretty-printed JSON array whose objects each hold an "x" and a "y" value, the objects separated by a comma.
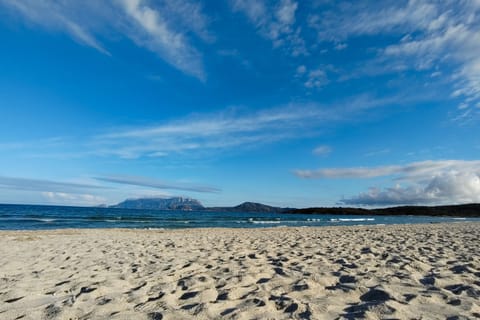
[
  {"x": 57, "y": 16},
  {"x": 163, "y": 29},
  {"x": 422, "y": 36},
  {"x": 427, "y": 182},
  {"x": 157, "y": 184},
  {"x": 27, "y": 184},
  {"x": 322, "y": 150},
  {"x": 200, "y": 135},
  {"x": 70, "y": 199},
  {"x": 415, "y": 170},
  {"x": 149, "y": 28},
  {"x": 213, "y": 132}
]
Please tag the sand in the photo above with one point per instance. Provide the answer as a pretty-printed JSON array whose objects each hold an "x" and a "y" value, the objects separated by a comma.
[{"x": 375, "y": 272}]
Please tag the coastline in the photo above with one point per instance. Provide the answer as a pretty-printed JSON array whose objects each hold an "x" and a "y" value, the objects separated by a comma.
[{"x": 395, "y": 271}]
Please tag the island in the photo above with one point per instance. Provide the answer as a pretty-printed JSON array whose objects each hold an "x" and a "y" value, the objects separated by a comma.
[{"x": 189, "y": 204}]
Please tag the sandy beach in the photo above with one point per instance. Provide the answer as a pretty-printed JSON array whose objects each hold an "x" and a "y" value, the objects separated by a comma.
[{"x": 375, "y": 272}]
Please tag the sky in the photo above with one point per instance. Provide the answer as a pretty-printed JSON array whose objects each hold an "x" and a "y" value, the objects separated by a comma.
[{"x": 288, "y": 103}]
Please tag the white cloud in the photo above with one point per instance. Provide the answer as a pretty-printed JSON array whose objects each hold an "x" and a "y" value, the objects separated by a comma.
[
  {"x": 73, "y": 199},
  {"x": 56, "y": 192},
  {"x": 426, "y": 182},
  {"x": 200, "y": 135},
  {"x": 311, "y": 79},
  {"x": 150, "y": 29},
  {"x": 156, "y": 184},
  {"x": 286, "y": 12},
  {"x": 164, "y": 27},
  {"x": 229, "y": 129},
  {"x": 28, "y": 184},
  {"x": 415, "y": 170},
  {"x": 301, "y": 70},
  {"x": 322, "y": 150},
  {"x": 366, "y": 19},
  {"x": 434, "y": 35},
  {"x": 187, "y": 15},
  {"x": 316, "y": 78},
  {"x": 445, "y": 188},
  {"x": 219, "y": 131},
  {"x": 274, "y": 23},
  {"x": 56, "y": 16}
]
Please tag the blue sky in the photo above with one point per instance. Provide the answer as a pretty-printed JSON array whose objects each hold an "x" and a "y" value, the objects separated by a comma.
[{"x": 289, "y": 103}]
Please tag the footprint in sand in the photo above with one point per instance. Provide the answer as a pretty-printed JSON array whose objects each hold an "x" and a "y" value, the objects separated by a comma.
[{"x": 240, "y": 292}]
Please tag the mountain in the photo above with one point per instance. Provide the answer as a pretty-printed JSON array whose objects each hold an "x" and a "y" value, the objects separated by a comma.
[
  {"x": 187, "y": 204},
  {"x": 461, "y": 210},
  {"x": 176, "y": 203},
  {"x": 249, "y": 207},
  {"x": 179, "y": 203}
]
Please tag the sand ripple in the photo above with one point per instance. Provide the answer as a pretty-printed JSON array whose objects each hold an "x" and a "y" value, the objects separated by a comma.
[{"x": 374, "y": 272}]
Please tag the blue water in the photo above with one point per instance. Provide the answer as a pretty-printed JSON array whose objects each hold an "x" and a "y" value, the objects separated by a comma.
[{"x": 30, "y": 217}]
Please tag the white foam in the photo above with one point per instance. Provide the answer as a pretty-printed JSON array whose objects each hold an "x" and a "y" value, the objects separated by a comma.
[
  {"x": 265, "y": 222},
  {"x": 351, "y": 219}
]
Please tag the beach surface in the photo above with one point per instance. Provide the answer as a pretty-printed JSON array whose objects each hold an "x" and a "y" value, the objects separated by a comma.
[{"x": 375, "y": 272}]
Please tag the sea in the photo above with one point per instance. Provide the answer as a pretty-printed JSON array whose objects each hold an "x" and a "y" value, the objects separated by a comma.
[{"x": 35, "y": 217}]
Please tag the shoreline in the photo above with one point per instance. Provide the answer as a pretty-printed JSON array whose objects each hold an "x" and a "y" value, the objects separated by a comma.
[
  {"x": 267, "y": 227},
  {"x": 401, "y": 271}
]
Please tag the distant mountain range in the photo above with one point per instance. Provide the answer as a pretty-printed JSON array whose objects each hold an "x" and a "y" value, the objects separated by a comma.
[{"x": 188, "y": 204}]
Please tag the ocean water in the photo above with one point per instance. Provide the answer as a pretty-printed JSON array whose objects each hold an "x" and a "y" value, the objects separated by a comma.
[{"x": 31, "y": 217}]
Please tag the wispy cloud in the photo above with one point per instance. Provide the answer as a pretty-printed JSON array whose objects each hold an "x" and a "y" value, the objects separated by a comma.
[
  {"x": 231, "y": 128},
  {"x": 427, "y": 182},
  {"x": 372, "y": 18},
  {"x": 188, "y": 15},
  {"x": 156, "y": 184},
  {"x": 423, "y": 36},
  {"x": 314, "y": 78},
  {"x": 162, "y": 27},
  {"x": 220, "y": 131},
  {"x": 27, "y": 184},
  {"x": 102, "y": 188},
  {"x": 417, "y": 170},
  {"x": 56, "y": 16},
  {"x": 200, "y": 135},
  {"x": 149, "y": 29},
  {"x": 73, "y": 199},
  {"x": 275, "y": 23},
  {"x": 322, "y": 150}
]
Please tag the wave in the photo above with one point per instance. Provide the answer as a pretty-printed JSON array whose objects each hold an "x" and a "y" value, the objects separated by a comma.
[
  {"x": 27, "y": 219},
  {"x": 351, "y": 219},
  {"x": 266, "y": 222}
]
